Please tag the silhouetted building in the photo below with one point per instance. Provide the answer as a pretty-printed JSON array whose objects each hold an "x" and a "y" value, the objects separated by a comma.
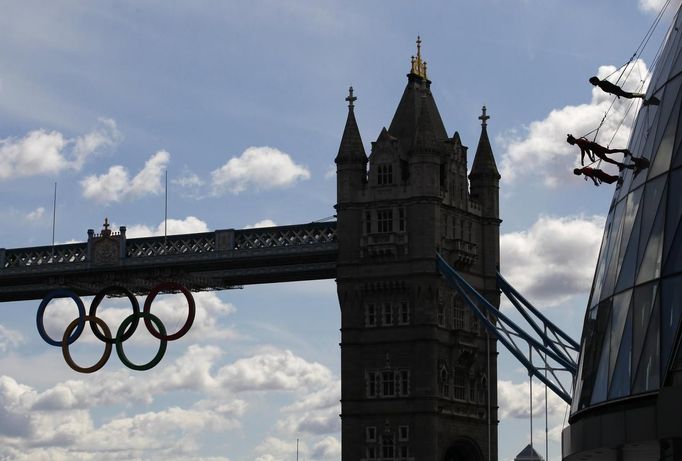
[
  {"x": 415, "y": 365},
  {"x": 528, "y": 454},
  {"x": 628, "y": 395}
]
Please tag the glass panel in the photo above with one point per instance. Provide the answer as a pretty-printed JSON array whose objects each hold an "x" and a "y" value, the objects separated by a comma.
[
  {"x": 601, "y": 264},
  {"x": 620, "y": 380},
  {"x": 597, "y": 326},
  {"x": 600, "y": 382},
  {"x": 650, "y": 266},
  {"x": 619, "y": 312},
  {"x": 671, "y": 308},
  {"x": 643, "y": 304},
  {"x": 664, "y": 153},
  {"x": 648, "y": 368},
  {"x": 677, "y": 159},
  {"x": 673, "y": 262},
  {"x": 674, "y": 208},
  {"x": 614, "y": 246},
  {"x": 629, "y": 220},
  {"x": 626, "y": 279},
  {"x": 652, "y": 198}
]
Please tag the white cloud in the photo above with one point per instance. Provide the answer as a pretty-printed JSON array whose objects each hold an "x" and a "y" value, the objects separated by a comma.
[
  {"x": 189, "y": 225},
  {"x": 554, "y": 259},
  {"x": 260, "y": 168},
  {"x": 9, "y": 338},
  {"x": 36, "y": 214},
  {"x": 274, "y": 369},
  {"x": 261, "y": 223},
  {"x": 327, "y": 448},
  {"x": 514, "y": 403},
  {"x": 543, "y": 147},
  {"x": 115, "y": 185},
  {"x": 43, "y": 152},
  {"x": 58, "y": 423},
  {"x": 654, "y": 6},
  {"x": 188, "y": 179}
]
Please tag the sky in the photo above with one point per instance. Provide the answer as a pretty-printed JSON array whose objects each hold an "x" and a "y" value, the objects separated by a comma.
[{"x": 242, "y": 103}]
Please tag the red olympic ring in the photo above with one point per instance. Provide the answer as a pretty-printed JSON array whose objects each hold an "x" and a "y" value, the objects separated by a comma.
[
  {"x": 191, "y": 310},
  {"x": 126, "y": 329}
]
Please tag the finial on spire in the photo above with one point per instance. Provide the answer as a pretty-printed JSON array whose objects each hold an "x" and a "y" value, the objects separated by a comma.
[
  {"x": 418, "y": 67},
  {"x": 350, "y": 98},
  {"x": 484, "y": 118},
  {"x": 105, "y": 228}
]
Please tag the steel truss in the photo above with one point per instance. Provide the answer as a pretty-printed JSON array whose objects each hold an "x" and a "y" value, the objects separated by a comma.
[{"x": 546, "y": 355}]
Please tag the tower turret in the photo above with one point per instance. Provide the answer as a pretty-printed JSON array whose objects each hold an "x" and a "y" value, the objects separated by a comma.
[
  {"x": 351, "y": 161},
  {"x": 484, "y": 176}
]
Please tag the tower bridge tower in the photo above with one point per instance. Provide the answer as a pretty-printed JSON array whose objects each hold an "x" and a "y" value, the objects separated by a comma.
[{"x": 418, "y": 372}]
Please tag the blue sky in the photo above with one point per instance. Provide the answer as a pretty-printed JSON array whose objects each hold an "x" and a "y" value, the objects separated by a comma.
[{"x": 243, "y": 104}]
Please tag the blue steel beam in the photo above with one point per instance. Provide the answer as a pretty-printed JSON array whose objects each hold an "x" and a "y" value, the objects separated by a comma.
[{"x": 500, "y": 330}]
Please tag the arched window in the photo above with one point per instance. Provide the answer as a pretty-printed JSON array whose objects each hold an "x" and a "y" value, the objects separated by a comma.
[{"x": 444, "y": 381}]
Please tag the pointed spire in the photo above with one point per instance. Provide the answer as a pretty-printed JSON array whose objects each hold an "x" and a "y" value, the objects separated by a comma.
[
  {"x": 351, "y": 148},
  {"x": 484, "y": 160},
  {"x": 426, "y": 140}
]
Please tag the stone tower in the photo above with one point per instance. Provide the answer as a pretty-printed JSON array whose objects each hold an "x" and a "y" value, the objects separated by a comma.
[{"x": 418, "y": 372}]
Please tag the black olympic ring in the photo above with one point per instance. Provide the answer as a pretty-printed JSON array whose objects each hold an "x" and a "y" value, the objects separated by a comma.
[{"x": 125, "y": 330}]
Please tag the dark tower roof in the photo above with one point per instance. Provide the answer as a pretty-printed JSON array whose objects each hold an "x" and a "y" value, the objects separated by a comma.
[
  {"x": 351, "y": 148},
  {"x": 484, "y": 160},
  {"x": 426, "y": 136},
  {"x": 528, "y": 454},
  {"x": 417, "y": 93}
]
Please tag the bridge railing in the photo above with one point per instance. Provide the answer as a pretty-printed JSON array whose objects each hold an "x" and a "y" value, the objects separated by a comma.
[
  {"x": 182, "y": 244},
  {"x": 36, "y": 256}
]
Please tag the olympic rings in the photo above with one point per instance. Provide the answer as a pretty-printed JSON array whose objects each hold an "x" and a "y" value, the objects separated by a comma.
[
  {"x": 107, "y": 347},
  {"x": 95, "y": 304},
  {"x": 126, "y": 329},
  {"x": 60, "y": 293},
  {"x": 190, "y": 314},
  {"x": 120, "y": 334}
]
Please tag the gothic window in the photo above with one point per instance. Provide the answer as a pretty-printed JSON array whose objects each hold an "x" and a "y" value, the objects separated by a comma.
[
  {"x": 459, "y": 384},
  {"x": 404, "y": 383},
  {"x": 371, "y": 384},
  {"x": 371, "y": 434},
  {"x": 457, "y": 314},
  {"x": 401, "y": 219},
  {"x": 387, "y": 314},
  {"x": 368, "y": 222},
  {"x": 385, "y": 220},
  {"x": 403, "y": 433},
  {"x": 482, "y": 391},
  {"x": 371, "y": 453},
  {"x": 388, "y": 384},
  {"x": 404, "y": 314},
  {"x": 472, "y": 390},
  {"x": 384, "y": 174},
  {"x": 387, "y": 447},
  {"x": 444, "y": 381},
  {"x": 370, "y": 315},
  {"x": 441, "y": 314}
]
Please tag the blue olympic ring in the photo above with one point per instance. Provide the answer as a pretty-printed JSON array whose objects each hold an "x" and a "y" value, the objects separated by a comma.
[
  {"x": 60, "y": 293},
  {"x": 125, "y": 330}
]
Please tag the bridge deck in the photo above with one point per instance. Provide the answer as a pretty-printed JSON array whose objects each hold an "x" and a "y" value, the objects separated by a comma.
[{"x": 216, "y": 260}]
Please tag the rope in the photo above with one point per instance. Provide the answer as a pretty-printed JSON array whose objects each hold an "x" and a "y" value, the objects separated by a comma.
[{"x": 638, "y": 51}]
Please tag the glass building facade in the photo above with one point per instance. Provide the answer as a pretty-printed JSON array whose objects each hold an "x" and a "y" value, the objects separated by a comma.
[
  {"x": 632, "y": 322},
  {"x": 627, "y": 398}
]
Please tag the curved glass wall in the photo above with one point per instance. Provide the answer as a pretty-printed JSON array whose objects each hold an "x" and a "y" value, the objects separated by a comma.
[{"x": 634, "y": 310}]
